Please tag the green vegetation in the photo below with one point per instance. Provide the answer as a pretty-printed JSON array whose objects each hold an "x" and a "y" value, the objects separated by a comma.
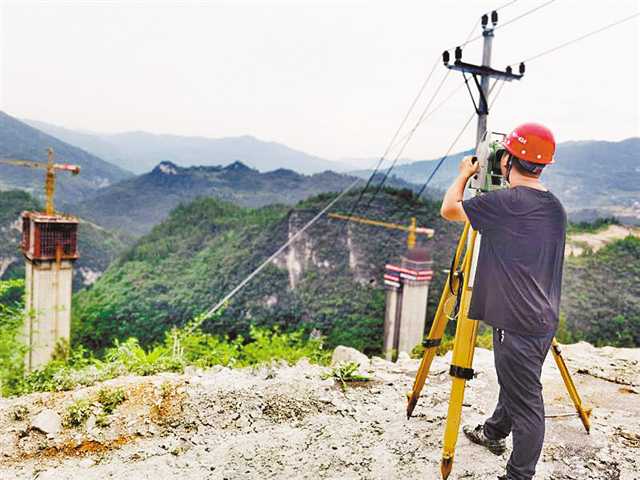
[
  {"x": 77, "y": 413},
  {"x": 346, "y": 372},
  {"x": 110, "y": 399},
  {"x": 18, "y": 412},
  {"x": 601, "y": 295},
  {"x": 12, "y": 350},
  {"x": 103, "y": 405},
  {"x": 98, "y": 247},
  {"x": 187, "y": 263},
  {"x": 596, "y": 226},
  {"x": 179, "y": 348}
]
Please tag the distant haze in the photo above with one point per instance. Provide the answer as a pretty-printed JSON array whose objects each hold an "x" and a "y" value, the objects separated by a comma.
[{"x": 332, "y": 79}]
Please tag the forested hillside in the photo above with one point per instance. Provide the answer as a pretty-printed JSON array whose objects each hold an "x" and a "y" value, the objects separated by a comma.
[
  {"x": 601, "y": 296},
  {"x": 331, "y": 279},
  {"x": 97, "y": 246}
]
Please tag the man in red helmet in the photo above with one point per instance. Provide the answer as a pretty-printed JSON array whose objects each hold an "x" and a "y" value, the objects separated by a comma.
[{"x": 517, "y": 287}]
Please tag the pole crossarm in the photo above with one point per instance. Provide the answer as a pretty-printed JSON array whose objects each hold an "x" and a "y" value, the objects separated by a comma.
[{"x": 484, "y": 71}]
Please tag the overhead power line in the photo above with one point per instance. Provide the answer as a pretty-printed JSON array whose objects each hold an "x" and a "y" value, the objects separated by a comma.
[
  {"x": 407, "y": 140},
  {"x": 525, "y": 14},
  {"x": 575, "y": 40},
  {"x": 457, "y": 138},
  {"x": 506, "y": 5},
  {"x": 393, "y": 139},
  {"x": 508, "y": 22}
]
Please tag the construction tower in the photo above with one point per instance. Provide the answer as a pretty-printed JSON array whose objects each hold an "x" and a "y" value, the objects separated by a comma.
[
  {"x": 407, "y": 291},
  {"x": 50, "y": 247}
]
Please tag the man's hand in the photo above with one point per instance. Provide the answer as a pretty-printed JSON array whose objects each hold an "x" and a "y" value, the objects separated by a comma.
[
  {"x": 452, "y": 202},
  {"x": 468, "y": 167}
]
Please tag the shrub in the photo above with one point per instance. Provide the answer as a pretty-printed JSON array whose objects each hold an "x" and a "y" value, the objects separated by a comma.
[
  {"x": 181, "y": 347},
  {"x": 12, "y": 350},
  {"x": 268, "y": 346},
  {"x": 18, "y": 412},
  {"x": 77, "y": 413},
  {"x": 109, "y": 399}
]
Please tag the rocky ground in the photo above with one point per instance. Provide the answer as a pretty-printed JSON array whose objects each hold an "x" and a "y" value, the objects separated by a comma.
[{"x": 287, "y": 422}]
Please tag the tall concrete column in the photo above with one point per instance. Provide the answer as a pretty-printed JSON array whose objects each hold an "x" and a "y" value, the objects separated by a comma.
[
  {"x": 415, "y": 293},
  {"x": 49, "y": 245},
  {"x": 391, "y": 319},
  {"x": 407, "y": 288},
  {"x": 48, "y": 309}
]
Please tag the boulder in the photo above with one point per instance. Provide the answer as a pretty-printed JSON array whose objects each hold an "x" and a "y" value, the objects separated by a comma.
[
  {"x": 47, "y": 421},
  {"x": 403, "y": 357},
  {"x": 347, "y": 354}
]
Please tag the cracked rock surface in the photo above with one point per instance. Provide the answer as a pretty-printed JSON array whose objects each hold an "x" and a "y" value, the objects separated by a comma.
[{"x": 286, "y": 422}]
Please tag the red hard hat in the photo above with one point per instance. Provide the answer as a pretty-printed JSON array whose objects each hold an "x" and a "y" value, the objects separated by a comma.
[{"x": 531, "y": 142}]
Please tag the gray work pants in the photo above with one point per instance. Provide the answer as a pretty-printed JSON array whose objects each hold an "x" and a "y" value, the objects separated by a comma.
[{"x": 520, "y": 409}]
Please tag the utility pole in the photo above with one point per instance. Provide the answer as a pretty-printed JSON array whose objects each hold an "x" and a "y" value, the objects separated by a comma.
[
  {"x": 481, "y": 74},
  {"x": 487, "y": 35}
]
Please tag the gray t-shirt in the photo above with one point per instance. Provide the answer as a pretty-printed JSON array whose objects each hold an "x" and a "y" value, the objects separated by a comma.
[{"x": 519, "y": 272}]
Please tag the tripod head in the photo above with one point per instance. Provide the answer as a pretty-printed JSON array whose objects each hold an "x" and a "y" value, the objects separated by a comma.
[{"x": 489, "y": 152}]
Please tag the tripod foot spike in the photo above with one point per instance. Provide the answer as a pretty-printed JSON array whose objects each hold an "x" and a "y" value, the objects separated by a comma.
[
  {"x": 445, "y": 467},
  {"x": 411, "y": 404}
]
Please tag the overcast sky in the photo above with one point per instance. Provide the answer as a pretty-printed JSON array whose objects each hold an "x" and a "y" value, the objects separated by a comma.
[{"x": 330, "y": 78}]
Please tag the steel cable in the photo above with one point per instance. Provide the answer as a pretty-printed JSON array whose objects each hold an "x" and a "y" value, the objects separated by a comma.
[
  {"x": 393, "y": 139},
  {"x": 581, "y": 37},
  {"x": 508, "y": 22},
  {"x": 248, "y": 278}
]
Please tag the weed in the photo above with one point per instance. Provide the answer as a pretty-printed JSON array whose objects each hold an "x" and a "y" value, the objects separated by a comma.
[
  {"x": 166, "y": 389},
  {"x": 345, "y": 372},
  {"x": 77, "y": 413},
  {"x": 110, "y": 399},
  {"x": 102, "y": 420},
  {"x": 18, "y": 412}
]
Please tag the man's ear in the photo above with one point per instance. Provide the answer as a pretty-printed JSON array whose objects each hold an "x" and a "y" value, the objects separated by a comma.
[{"x": 503, "y": 162}]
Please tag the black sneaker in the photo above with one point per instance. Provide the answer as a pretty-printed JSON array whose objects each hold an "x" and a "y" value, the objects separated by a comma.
[{"x": 476, "y": 435}]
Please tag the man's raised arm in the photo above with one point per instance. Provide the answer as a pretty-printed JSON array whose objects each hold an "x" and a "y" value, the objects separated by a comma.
[{"x": 452, "y": 202}]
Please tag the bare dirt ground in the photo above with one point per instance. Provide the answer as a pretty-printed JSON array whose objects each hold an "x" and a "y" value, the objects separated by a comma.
[
  {"x": 577, "y": 242},
  {"x": 286, "y": 422}
]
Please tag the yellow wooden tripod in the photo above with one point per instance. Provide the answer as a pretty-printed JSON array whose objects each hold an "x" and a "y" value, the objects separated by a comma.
[{"x": 455, "y": 300}]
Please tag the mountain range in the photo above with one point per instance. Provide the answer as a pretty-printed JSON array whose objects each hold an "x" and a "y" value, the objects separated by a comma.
[
  {"x": 592, "y": 178},
  {"x": 135, "y": 205},
  {"x": 140, "y": 151},
  {"x": 21, "y": 141}
]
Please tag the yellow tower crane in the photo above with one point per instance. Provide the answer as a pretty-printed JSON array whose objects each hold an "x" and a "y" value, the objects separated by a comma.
[
  {"x": 50, "y": 180},
  {"x": 412, "y": 229}
]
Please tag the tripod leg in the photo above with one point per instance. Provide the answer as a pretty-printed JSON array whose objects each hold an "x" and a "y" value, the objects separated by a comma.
[
  {"x": 583, "y": 413},
  {"x": 440, "y": 320},
  {"x": 461, "y": 371}
]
